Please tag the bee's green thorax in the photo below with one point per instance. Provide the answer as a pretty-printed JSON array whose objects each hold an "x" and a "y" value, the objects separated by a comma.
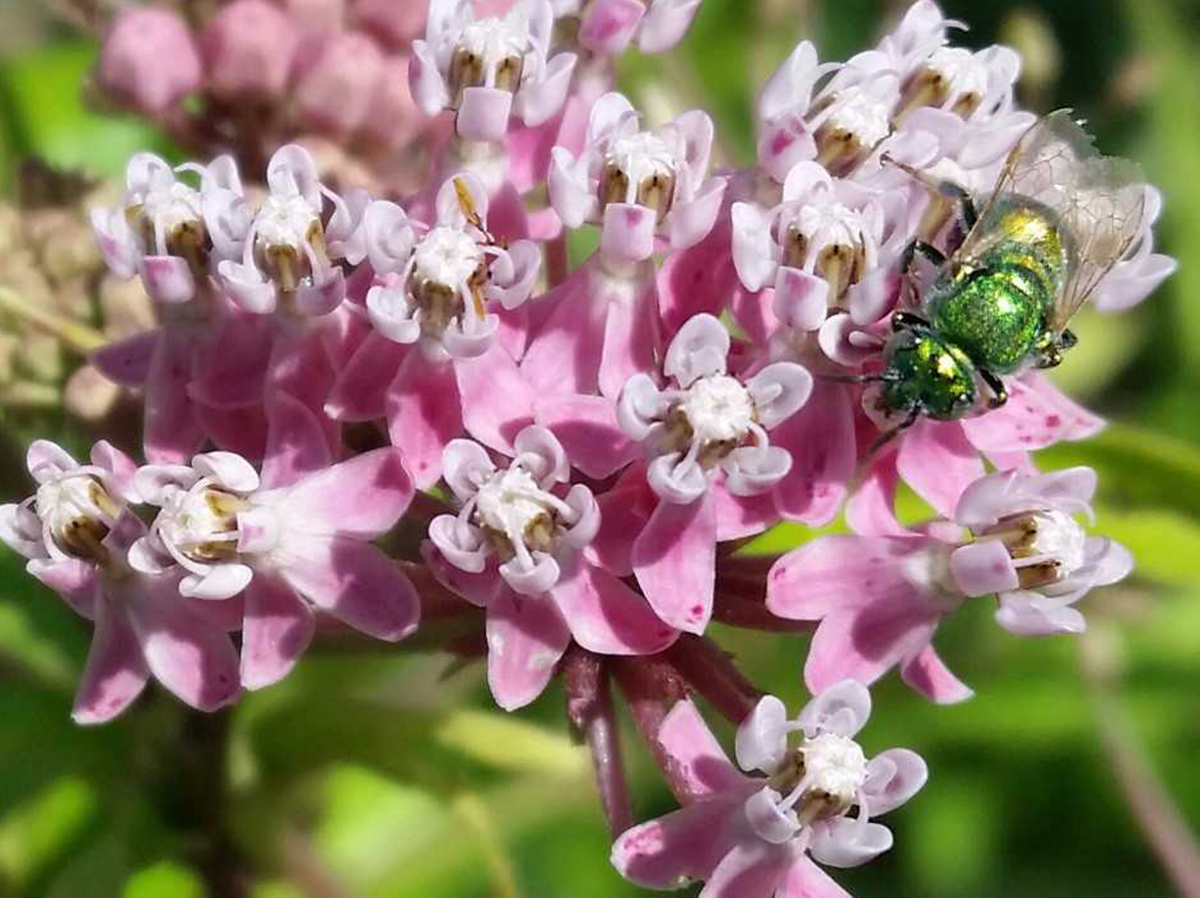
[
  {"x": 928, "y": 375},
  {"x": 998, "y": 309}
]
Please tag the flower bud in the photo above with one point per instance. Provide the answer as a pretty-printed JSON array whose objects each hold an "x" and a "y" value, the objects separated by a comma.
[
  {"x": 394, "y": 118},
  {"x": 149, "y": 59},
  {"x": 338, "y": 92},
  {"x": 249, "y": 47},
  {"x": 394, "y": 22}
]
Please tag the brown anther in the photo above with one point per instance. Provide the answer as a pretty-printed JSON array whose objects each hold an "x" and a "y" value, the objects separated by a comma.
[
  {"x": 614, "y": 185},
  {"x": 508, "y": 73},
  {"x": 466, "y": 70},
  {"x": 1035, "y": 576},
  {"x": 82, "y": 537},
  {"x": 795, "y": 248},
  {"x": 657, "y": 192}
]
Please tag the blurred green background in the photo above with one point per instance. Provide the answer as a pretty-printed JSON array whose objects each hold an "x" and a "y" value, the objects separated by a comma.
[{"x": 375, "y": 775}]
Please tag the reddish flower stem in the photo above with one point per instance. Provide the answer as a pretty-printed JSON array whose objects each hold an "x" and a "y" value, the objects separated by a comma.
[
  {"x": 649, "y": 685},
  {"x": 751, "y": 614},
  {"x": 707, "y": 669},
  {"x": 590, "y": 710}
]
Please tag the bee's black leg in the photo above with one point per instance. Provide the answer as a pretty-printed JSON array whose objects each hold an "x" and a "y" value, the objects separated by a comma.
[
  {"x": 928, "y": 250},
  {"x": 966, "y": 205},
  {"x": 996, "y": 385},
  {"x": 890, "y": 435},
  {"x": 905, "y": 320},
  {"x": 1067, "y": 340}
]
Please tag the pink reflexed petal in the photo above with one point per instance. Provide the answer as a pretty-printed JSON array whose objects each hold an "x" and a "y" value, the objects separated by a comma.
[
  {"x": 496, "y": 401},
  {"x": 539, "y": 101},
  {"x": 801, "y": 299},
  {"x": 360, "y": 392},
  {"x": 843, "y": 708},
  {"x": 871, "y": 511},
  {"x": 609, "y": 25},
  {"x": 684, "y": 845},
  {"x": 301, "y": 366},
  {"x": 352, "y": 580},
  {"x": 674, "y": 558},
  {"x": 115, "y": 674},
  {"x": 190, "y": 656},
  {"x": 1036, "y": 415},
  {"x": 624, "y": 512},
  {"x": 821, "y": 440},
  {"x": 46, "y": 460},
  {"x": 606, "y": 616},
  {"x": 526, "y": 636},
  {"x": 938, "y": 462},
  {"x": 73, "y": 579},
  {"x": 361, "y": 497},
  {"x": 838, "y": 574},
  {"x": 127, "y": 362},
  {"x": 478, "y": 589},
  {"x": 632, "y": 336},
  {"x": 231, "y": 362},
  {"x": 564, "y": 353},
  {"x": 702, "y": 278},
  {"x": 864, "y": 644},
  {"x": 277, "y": 629},
  {"x": 424, "y": 415},
  {"x": 696, "y": 757},
  {"x": 928, "y": 674},
  {"x": 240, "y": 430},
  {"x": 742, "y": 516},
  {"x": 806, "y": 880},
  {"x": 120, "y": 467},
  {"x": 483, "y": 114},
  {"x": 172, "y": 434},
  {"x": 429, "y": 91},
  {"x": 753, "y": 867},
  {"x": 689, "y": 223},
  {"x": 983, "y": 567},
  {"x": 296, "y": 442},
  {"x": 587, "y": 428}
]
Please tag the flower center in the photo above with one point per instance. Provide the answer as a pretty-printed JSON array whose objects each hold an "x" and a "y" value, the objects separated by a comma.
[
  {"x": 639, "y": 168},
  {"x": 77, "y": 513},
  {"x": 447, "y": 265},
  {"x": 718, "y": 409},
  {"x": 170, "y": 221},
  {"x": 855, "y": 124},
  {"x": 201, "y": 522},
  {"x": 490, "y": 53},
  {"x": 951, "y": 76},
  {"x": 1046, "y": 545},
  {"x": 517, "y": 513},
  {"x": 285, "y": 221},
  {"x": 827, "y": 240},
  {"x": 834, "y": 766}
]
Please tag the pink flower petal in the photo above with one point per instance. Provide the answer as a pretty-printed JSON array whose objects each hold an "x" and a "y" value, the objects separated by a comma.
[
  {"x": 360, "y": 392},
  {"x": 928, "y": 674},
  {"x": 496, "y": 401},
  {"x": 172, "y": 435},
  {"x": 231, "y": 362},
  {"x": 871, "y": 510},
  {"x": 526, "y": 637},
  {"x": 73, "y": 579},
  {"x": 821, "y": 440},
  {"x": 187, "y": 654},
  {"x": 424, "y": 415},
  {"x": 674, "y": 558},
  {"x": 683, "y": 845},
  {"x": 115, "y": 674},
  {"x": 361, "y": 497},
  {"x": 632, "y": 335},
  {"x": 806, "y": 880},
  {"x": 587, "y": 428},
  {"x": 564, "y": 353},
  {"x": 352, "y": 580},
  {"x": 1036, "y": 415},
  {"x": 278, "y": 628},
  {"x": 127, "y": 362},
  {"x": 697, "y": 759},
  {"x": 605, "y": 615},
  {"x": 938, "y": 462},
  {"x": 624, "y": 512},
  {"x": 296, "y": 443},
  {"x": 742, "y": 516},
  {"x": 753, "y": 867}
]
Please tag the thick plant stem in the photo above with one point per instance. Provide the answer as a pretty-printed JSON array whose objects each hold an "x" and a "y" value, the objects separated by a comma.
[
  {"x": 590, "y": 710},
  {"x": 650, "y": 686},
  {"x": 707, "y": 669}
]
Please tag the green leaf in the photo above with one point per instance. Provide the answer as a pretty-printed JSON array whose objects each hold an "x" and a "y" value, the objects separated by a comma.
[
  {"x": 164, "y": 880},
  {"x": 509, "y": 743}
]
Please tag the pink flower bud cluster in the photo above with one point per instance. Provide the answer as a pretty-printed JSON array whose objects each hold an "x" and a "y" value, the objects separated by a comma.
[{"x": 569, "y": 460}]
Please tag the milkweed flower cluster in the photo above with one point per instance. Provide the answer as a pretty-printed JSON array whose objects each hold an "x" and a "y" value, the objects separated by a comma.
[{"x": 359, "y": 409}]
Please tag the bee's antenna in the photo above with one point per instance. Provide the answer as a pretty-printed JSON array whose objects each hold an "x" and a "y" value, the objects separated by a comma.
[{"x": 854, "y": 378}]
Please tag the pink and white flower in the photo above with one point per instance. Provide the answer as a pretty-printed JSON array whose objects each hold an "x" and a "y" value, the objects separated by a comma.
[
  {"x": 638, "y": 185},
  {"x": 295, "y": 540},
  {"x": 515, "y": 548},
  {"x": 149, "y": 59},
  {"x": 608, "y": 27},
  {"x": 488, "y": 69},
  {"x": 759, "y": 834},
  {"x": 76, "y": 531},
  {"x": 880, "y": 595}
]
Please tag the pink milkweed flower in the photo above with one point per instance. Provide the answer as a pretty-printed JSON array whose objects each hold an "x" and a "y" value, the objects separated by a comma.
[
  {"x": 286, "y": 253},
  {"x": 76, "y": 531},
  {"x": 395, "y": 22},
  {"x": 336, "y": 92},
  {"x": 447, "y": 324},
  {"x": 607, "y": 27},
  {"x": 879, "y": 597},
  {"x": 250, "y": 47},
  {"x": 291, "y": 541},
  {"x": 149, "y": 59},
  {"x": 759, "y": 834},
  {"x": 706, "y": 433},
  {"x": 487, "y": 69},
  {"x": 159, "y": 232},
  {"x": 638, "y": 184},
  {"x": 830, "y": 243},
  {"x": 515, "y": 549}
]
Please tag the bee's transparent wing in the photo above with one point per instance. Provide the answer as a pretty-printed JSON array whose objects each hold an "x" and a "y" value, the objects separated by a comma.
[{"x": 1100, "y": 201}]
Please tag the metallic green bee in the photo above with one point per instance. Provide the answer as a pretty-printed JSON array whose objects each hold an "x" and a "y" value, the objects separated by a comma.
[{"x": 1058, "y": 220}]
